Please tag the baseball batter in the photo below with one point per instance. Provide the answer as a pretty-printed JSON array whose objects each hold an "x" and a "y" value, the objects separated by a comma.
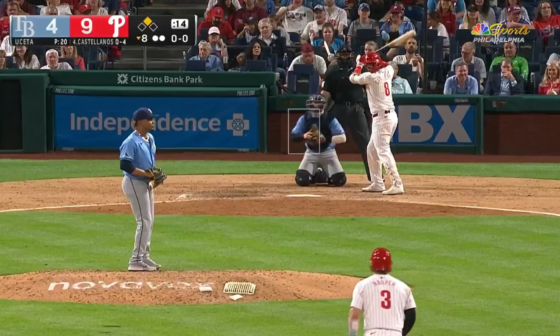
[
  {"x": 388, "y": 305},
  {"x": 137, "y": 161},
  {"x": 385, "y": 121},
  {"x": 322, "y": 132}
]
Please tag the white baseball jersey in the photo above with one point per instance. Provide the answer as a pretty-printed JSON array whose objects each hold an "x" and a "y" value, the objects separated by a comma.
[
  {"x": 378, "y": 88},
  {"x": 383, "y": 299},
  {"x": 337, "y": 17}
]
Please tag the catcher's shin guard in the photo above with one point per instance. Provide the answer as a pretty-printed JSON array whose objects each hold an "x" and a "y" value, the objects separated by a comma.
[
  {"x": 303, "y": 178},
  {"x": 338, "y": 179}
]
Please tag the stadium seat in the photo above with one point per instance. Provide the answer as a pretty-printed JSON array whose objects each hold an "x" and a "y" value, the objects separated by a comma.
[
  {"x": 413, "y": 82},
  {"x": 70, "y": 61},
  {"x": 415, "y": 13},
  {"x": 195, "y": 65},
  {"x": 295, "y": 37},
  {"x": 10, "y": 63},
  {"x": 303, "y": 79},
  {"x": 405, "y": 70},
  {"x": 256, "y": 65},
  {"x": 364, "y": 35}
]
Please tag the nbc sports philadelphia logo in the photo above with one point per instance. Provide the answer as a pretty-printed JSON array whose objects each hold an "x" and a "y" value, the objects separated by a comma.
[{"x": 497, "y": 33}]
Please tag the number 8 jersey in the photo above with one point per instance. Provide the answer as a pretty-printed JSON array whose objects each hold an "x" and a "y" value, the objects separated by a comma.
[
  {"x": 383, "y": 300},
  {"x": 378, "y": 88}
]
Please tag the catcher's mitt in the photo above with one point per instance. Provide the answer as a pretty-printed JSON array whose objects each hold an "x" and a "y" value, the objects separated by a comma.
[
  {"x": 317, "y": 139},
  {"x": 158, "y": 176}
]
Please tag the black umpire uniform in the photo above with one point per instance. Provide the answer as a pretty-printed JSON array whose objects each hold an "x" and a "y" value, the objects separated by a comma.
[{"x": 348, "y": 99}]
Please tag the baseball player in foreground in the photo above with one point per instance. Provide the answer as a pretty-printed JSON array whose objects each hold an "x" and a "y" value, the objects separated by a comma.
[
  {"x": 321, "y": 132},
  {"x": 137, "y": 161},
  {"x": 388, "y": 305},
  {"x": 385, "y": 120}
]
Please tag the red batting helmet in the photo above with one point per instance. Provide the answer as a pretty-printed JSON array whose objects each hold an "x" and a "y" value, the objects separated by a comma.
[
  {"x": 373, "y": 61},
  {"x": 381, "y": 260}
]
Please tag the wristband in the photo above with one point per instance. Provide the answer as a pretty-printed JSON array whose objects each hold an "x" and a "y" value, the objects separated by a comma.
[{"x": 358, "y": 70}]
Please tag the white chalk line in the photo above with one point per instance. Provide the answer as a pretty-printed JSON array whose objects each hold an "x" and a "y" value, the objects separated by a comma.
[{"x": 182, "y": 198}]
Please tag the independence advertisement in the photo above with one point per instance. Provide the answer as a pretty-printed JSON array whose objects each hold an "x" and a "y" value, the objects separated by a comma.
[
  {"x": 93, "y": 122},
  {"x": 436, "y": 125}
]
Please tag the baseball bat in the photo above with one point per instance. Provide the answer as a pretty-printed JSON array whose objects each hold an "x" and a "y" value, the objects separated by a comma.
[{"x": 399, "y": 41}]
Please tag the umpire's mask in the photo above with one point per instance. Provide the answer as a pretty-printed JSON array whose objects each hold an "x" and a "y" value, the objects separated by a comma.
[{"x": 345, "y": 57}]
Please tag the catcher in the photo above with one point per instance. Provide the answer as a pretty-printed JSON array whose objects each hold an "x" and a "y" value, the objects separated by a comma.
[
  {"x": 137, "y": 161},
  {"x": 321, "y": 132}
]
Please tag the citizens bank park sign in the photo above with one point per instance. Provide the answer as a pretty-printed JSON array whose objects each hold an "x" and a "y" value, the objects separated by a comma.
[{"x": 54, "y": 286}]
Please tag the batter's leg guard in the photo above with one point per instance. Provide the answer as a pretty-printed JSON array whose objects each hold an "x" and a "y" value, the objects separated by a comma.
[
  {"x": 321, "y": 176},
  {"x": 338, "y": 179},
  {"x": 303, "y": 178}
]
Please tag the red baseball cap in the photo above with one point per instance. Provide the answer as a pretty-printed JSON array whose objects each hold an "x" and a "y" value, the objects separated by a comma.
[
  {"x": 307, "y": 48},
  {"x": 514, "y": 9},
  {"x": 217, "y": 12},
  {"x": 396, "y": 9}
]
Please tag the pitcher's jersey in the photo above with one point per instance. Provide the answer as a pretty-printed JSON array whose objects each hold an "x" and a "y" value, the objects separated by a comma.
[
  {"x": 383, "y": 299},
  {"x": 378, "y": 88}
]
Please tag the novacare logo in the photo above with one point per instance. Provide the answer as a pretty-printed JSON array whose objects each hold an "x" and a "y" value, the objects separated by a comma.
[{"x": 127, "y": 285}]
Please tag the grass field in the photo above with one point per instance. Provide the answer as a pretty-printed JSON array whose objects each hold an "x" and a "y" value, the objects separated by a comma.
[{"x": 482, "y": 276}]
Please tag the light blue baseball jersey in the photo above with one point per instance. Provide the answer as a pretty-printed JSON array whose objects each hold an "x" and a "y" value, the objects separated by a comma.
[
  {"x": 334, "y": 126},
  {"x": 141, "y": 152}
]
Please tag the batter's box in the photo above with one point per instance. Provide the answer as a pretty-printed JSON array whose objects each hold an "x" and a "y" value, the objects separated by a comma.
[{"x": 297, "y": 148}]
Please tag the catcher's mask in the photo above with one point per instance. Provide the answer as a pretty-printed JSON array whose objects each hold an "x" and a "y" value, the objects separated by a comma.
[
  {"x": 373, "y": 61},
  {"x": 344, "y": 57},
  {"x": 316, "y": 105}
]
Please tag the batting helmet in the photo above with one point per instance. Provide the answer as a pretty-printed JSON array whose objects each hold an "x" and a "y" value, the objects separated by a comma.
[
  {"x": 381, "y": 260},
  {"x": 373, "y": 61}
]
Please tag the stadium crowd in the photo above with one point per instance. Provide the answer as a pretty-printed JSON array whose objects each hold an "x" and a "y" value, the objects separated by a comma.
[{"x": 298, "y": 40}]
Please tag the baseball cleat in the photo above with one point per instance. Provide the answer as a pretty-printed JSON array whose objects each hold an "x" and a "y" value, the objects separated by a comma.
[
  {"x": 373, "y": 188},
  {"x": 151, "y": 263},
  {"x": 395, "y": 190},
  {"x": 140, "y": 266}
]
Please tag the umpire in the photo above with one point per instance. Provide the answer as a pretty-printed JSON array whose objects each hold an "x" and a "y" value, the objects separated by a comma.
[{"x": 347, "y": 100}]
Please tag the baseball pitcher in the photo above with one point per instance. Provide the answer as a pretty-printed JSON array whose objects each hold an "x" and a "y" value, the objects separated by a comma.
[
  {"x": 380, "y": 99},
  {"x": 388, "y": 305},
  {"x": 321, "y": 133}
]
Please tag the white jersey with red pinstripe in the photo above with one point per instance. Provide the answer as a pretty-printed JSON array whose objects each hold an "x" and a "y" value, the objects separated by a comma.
[
  {"x": 383, "y": 300},
  {"x": 378, "y": 88}
]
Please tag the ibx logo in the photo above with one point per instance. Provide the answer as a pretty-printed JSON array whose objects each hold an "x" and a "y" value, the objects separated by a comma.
[
  {"x": 238, "y": 125},
  {"x": 122, "y": 79}
]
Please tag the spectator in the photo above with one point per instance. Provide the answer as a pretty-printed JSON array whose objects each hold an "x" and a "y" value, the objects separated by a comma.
[
  {"x": 268, "y": 5},
  {"x": 519, "y": 63},
  {"x": 245, "y": 13},
  {"x": 283, "y": 33},
  {"x": 433, "y": 23},
  {"x": 229, "y": 11},
  {"x": 2, "y": 59},
  {"x": 215, "y": 20},
  {"x": 277, "y": 46},
  {"x": 112, "y": 6},
  {"x": 254, "y": 52},
  {"x": 446, "y": 11},
  {"x": 313, "y": 3},
  {"x": 63, "y": 9},
  {"x": 6, "y": 46},
  {"x": 332, "y": 43},
  {"x": 399, "y": 85},
  {"x": 296, "y": 16},
  {"x": 11, "y": 9},
  {"x": 308, "y": 57},
  {"x": 472, "y": 19},
  {"x": 486, "y": 13},
  {"x": 505, "y": 83},
  {"x": 515, "y": 20},
  {"x": 93, "y": 7},
  {"x": 249, "y": 32},
  {"x": 217, "y": 46},
  {"x": 25, "y": 8},
  {"x": 364, "y": 22},
  {"x": 213, "y": 62},
  {"x": 24, "y": 58},
  {"x": 377, "y": 9},
  {"x": 312, "y": 29},
  {"x": 546, "y": 20},
  {"x": 225, "y": 4},
  {"x": 396, "y": 22},
  {"x": 550, "y": 84},
  {"x": 412, "y": 57},
  {"x": 50, "y": 10},
  {"x": 504, "y": 14},
  {"x": 461, "y": 82},
  {"x": 458, "y": 7},
  {"x": 52, "y": 62},
  {"x": 467, "y": 53},
  {"x": 336, "y": 16},
  {"x": 240, "y": 63},
  {"x": 72, "y": 52}
]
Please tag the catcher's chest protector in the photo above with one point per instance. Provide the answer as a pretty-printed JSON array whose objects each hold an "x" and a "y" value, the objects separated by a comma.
[{"x": 325, "y": 128}]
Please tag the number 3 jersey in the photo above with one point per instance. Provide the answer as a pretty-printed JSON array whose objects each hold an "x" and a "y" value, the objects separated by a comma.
[
  {"x": 383, "y": 299},
  {"x": 378, "y": 88}
]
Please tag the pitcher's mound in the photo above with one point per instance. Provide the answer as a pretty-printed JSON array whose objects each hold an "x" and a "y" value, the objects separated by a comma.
[{"x": 160, "y": 288}]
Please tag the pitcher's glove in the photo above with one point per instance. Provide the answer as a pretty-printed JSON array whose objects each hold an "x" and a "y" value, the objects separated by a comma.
[{"x": 158, "y": 176}]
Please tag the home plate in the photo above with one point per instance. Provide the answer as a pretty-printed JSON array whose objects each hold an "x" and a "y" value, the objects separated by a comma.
[{"x": 303, "y": 195}]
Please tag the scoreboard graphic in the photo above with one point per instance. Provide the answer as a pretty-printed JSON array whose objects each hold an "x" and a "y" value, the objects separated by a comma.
[{"x": 103, "y": 30}]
